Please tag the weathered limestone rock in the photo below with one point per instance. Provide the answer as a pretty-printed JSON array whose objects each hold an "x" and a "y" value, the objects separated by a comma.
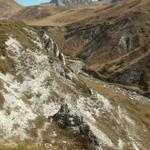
[
  {"x": 62, "y": 58},
  {"x": 48, "y": 43},
  {"x": 87, "y": 35},
  {"x": 52, "y": 48},
  {"x": 70, "y": 75},
  {"x": 59, "y": 69},
  {"x": 123, "y": 43},
  {"x": 51, "y": 44},
  {"x": 127, "y": 43},
  {"x": 92, "y": 92},
  {"x": 68, "y": 120},
  {"x": 56, "y": 50},
  {"x": 45, "y": 40}
]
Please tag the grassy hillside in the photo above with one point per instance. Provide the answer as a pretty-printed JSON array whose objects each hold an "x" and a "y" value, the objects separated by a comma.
[
  {"x": 8, "y": 8},
  {"x": 17, "y": 29},
  {"x": 17, "y": 148},
  {"x": 51, "y": 15},
  {"x": 32, "y": 14}
]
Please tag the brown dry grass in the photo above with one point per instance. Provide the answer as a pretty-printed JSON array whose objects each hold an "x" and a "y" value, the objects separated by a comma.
[
  {"x": 10, "y": 6},
  {"x": 3, "y": 147},
  {"x": 2, "y": 100},
  {"x": 141, "y": 110},
  {"x": 14, "y": 28},
  {"x": 62, "y": 16},
  {"x": 136, "y": 110}
]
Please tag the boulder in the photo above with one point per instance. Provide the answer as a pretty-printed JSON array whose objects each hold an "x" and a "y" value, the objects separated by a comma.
[
  {"x": 68, "y": 120},
  {"x": 92, "y": 92}
]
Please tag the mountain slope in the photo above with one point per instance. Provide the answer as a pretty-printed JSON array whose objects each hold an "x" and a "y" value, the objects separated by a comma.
[
  {"x": 58, "y": 15},
  {"x": 120, "y": 50},
  {"x": 33, "y": 13},
  {"x": 46, "y": 99},
  {"x": 78, "y": 2},
  {"x": 113, "y": 40},
  {"x": 8, "y": 8}
]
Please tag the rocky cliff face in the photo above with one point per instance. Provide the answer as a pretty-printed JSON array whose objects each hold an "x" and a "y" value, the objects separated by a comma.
[{"x": 44, "y": 101}]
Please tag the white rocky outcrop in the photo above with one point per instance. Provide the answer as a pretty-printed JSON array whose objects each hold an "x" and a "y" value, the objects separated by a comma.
[
  {"x": 56, "y": 50},
  {"x": 62, "y": 58},
  {"x": 31, "y": 97},
  {"x": 67, "y": 119},
  {"x": 128, "y": 43},
  {"x": 52, "y": 47}
]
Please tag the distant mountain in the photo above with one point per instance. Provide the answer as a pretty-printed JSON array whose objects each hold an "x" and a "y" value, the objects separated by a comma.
[
  {"x": 71, "y": 2},
  {"x": 76, "y": 2},
  {"x": 8, "y": 8}
]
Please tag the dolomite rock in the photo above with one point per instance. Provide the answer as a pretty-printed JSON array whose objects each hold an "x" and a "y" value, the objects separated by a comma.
[
  {"x": 92, "y": 92},
  {"x": 52, "y": 48},
  {"x": 51, "y": 44},
  {"x": 56, "y": 50},
  {"x": 62, "y": 58},
  {"x": 70, "y": 76},
  {"x": 128, "y": 43},
  {"x": 45, "y": 39},
  {"x": 68, "y": 120},
  {"x": 59, "y": 69},
  {"x": 48, "y": 43},
  {"x": 123, "y": 43},
  {"x": 65, "y": 73},
  {"x": 87, "y": 35}
]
